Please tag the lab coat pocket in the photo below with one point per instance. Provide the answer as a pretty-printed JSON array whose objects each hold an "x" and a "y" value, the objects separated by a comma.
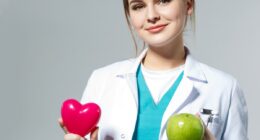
[
  {"x": 215, "y": 125},
  {"x": 213, "y": 122}
]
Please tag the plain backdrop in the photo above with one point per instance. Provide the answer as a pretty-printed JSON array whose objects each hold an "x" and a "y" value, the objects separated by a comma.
[{"x": 48, "y": 49}]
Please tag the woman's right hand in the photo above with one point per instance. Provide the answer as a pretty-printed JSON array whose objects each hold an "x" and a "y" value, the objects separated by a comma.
[{"x": 70, "y": 136}]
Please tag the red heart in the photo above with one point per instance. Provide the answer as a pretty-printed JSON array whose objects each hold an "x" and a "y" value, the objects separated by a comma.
[{"x": 80, "y": 119}]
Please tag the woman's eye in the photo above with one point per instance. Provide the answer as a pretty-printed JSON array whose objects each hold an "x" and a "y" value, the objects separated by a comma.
[
  {"x": 164, "y": 1},
  {"x": 137, "y": 7}
]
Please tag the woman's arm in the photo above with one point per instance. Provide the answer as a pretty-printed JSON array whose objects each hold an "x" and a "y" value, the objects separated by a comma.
[{"x": 237, "y": 120}]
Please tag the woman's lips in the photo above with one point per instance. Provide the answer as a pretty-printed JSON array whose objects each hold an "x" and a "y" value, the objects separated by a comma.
[{"x": 156, "y": 29}]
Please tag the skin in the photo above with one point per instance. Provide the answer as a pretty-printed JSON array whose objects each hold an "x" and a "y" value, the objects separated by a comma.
[
  {"x": 207, "y": 134},
  {"x": 70, "y": 136},
  {"x": 166, "y": 48}
]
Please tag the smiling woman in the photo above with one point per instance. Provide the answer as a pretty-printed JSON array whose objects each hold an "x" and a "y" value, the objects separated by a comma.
[
  {"x": 135, "y": 7},
  {"x": 138, "y": 96}
]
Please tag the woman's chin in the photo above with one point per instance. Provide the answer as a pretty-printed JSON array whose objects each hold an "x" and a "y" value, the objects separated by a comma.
[
  {"x": 164, "y": 41},
  {"x": 158, "y": 44}
]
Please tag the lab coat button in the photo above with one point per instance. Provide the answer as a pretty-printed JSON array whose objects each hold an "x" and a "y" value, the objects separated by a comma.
[{"x": 123, "y": 136}]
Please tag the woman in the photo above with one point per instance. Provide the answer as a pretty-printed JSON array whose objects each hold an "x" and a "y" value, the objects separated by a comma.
[{"x": 137, "y": 96}]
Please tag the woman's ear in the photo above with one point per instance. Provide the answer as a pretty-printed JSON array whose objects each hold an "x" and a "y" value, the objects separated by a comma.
[{"x": 190, "y": 6}]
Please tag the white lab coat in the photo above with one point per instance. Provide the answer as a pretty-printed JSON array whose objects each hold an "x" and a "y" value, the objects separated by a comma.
[{"x": 114, "y": 88}]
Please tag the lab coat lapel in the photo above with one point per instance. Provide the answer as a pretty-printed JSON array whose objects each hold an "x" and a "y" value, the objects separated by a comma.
[
  {"x": 131, "y": 80},
  {"x": 181, "y": 97},
  {"x": 130, "y": 76}
]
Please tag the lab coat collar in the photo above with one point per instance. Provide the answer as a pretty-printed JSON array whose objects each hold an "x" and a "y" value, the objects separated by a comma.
[
  {"x": 192, "y": 68},
  {"x": 133, "y": 68}
]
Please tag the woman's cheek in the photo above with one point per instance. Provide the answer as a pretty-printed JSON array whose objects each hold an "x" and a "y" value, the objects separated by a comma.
[
  {"x": 170, "y": 14},
  {"x": 138, "y": 21}
]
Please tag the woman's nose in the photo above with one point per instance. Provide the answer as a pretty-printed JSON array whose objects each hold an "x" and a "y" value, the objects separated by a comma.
[{"x": 152, "y": 14}]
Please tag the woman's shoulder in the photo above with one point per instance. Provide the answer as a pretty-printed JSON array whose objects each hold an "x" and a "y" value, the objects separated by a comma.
[
  {"x": 214, "y": 71},
  {"x": 217, "y": 76},
  {"x": 198, "y": 69}
]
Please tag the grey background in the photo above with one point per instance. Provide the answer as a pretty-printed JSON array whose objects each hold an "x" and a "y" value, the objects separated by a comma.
[{"x": 48, "y": 48}]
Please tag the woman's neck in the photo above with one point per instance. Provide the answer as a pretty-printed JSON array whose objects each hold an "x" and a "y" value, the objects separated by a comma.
[{"x": 165, "y": 57}]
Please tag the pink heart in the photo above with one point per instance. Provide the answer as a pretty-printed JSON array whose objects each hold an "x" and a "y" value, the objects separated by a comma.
[{"x": 80, "y": 119}]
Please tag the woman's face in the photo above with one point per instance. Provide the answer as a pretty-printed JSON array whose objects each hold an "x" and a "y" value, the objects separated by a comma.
[{"x": 159, "y": 22}]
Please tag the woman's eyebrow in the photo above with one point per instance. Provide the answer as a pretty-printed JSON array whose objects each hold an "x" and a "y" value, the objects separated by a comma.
[{"x": 134, "y": 1}]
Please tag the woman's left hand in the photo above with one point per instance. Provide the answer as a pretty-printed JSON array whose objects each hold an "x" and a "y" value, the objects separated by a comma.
[{"x": 207, "y": 134}]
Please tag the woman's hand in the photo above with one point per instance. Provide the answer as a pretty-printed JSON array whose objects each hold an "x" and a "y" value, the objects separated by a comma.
[
  {"x": 70, "y": 136},
  {"x": 208, "y": 135}
]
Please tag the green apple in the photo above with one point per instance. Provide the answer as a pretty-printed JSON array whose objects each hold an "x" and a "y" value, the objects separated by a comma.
[{"x": 184, "y": 126}]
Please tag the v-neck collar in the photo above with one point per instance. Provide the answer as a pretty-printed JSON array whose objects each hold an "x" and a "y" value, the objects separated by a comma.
[{"x": 164, "y": 101}]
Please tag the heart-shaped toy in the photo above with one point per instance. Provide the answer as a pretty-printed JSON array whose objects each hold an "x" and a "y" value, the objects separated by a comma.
[{"x": 80, "y": 119}]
